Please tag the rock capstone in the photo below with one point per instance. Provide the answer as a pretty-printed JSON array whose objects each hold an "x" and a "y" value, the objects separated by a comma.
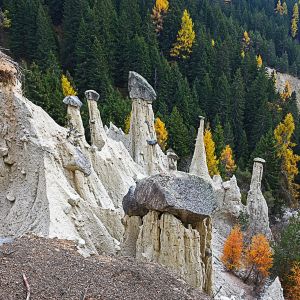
[
  {"x": 139, "y": 88},
  {"x": 186, "y": 196},
  {"x": 73, "y": 101}
]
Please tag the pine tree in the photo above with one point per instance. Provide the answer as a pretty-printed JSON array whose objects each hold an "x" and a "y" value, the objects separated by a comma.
[
  {"x": 212, "y": 162},
  {"x": 182, "y": 48},
  {"x": 45, "y": 39},
  {"x": 179, "y": 134},
  {"x": 237, "y": 112},
  {"x": 219, "y": 139}
]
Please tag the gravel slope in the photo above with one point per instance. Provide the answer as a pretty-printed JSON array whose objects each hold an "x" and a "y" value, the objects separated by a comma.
[{"x": 55, "y": 270}]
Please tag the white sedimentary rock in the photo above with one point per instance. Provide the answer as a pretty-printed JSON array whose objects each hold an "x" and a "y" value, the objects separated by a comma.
[
  {"x": 52, "y": 182},
  {"x": 98, "y": 134},
  {"x": 164, "y": 239},
  {"x": 143, "y": 141},
  {"x": 274, "y": 291},
  {"x": 199, "y": 165},
  {"x": 256, "y": 204}
]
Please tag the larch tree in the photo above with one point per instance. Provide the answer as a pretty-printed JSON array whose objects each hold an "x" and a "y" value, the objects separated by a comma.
[
  {"x": 284, "y": 8},
  {"x": 295, "y": 21},
  {"x": 293, "y": 289},
  {"x": 127, "y": 124},
  {"x": 67, "y": 87},
  {"x": 159, "y": 10},
  {"x": 233, "y": 249},
  {"x": 161, "y": 133},
  {"x": 186, "y": 36},
  {"x": 227, "y": 162},
  {"x": 259, "y": 61},
  {"x": 279, "y": 8},
  {"x": 287, "y": 91},
  {"x": 259, "y": 257},
  {"x": 283, "y": 135},
  {"x": 246, "y": 41},
  {"x": 212, "y": 161}
]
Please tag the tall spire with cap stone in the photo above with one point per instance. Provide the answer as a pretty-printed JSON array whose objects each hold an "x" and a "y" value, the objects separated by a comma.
[
  {"x": 256, "y": 204},
  {"x": 143, "y": 141},
  {"x": 199, "y": 164},
  {"x": 98, "y": 134}
]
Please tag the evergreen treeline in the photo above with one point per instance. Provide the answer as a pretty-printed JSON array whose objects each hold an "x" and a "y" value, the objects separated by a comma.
[{"x": 97, "y": 42}]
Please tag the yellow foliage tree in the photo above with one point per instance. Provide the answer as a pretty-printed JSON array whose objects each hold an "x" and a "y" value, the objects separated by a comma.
[
  {"x": 293, "y": 289},
  {"x": 287, "y": 91},
  {"x": 295, "y": 21},
  {"x": 227, "y": 161},
  {"x": 243, "y": 54},
  {"x": 127, "y": 124},
  {"x": 212, "y": 162},
  {"x": 159, "y": 10},
  {"x": 67, "y": 88},
  {"x": 259, "y": 61},
  {"x": 161, "y": 133},
  {"x": 285, "y": 8},
  {"x": 246, "y": 38},
  {"x": 283, "y": 134},
  {"x": 259, "y": 257},
  {"x": 279, "y": 8},
  {"x": 186, "y": 36},
  {"x": 5, "y": 21},
  {"x": 213, "y": 43},
  {"x": 233, "y": 249}
]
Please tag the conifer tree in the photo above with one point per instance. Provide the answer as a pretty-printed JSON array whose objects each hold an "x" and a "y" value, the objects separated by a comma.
[
  {"x": 295, "y": 21},
  {"x": 179, "y": 134},
  {"x": 227, "y": 163},
  {"x": 127, "y": 124},
  {"x": 259, "y": 61},
  {"x": 233, "y": 249},
  {"x": 182, "y": 48},
  {"x": 159, "y": 10},
  {"x": 219, "y": 139},
  {"x": 283, "y": 135},
  {"x": 212, "y": 162},
  {"x": 67, "y": 88},
  {"x": 161, "y": 133},
  {"x": 259, "y": 257},
  {"x": 293, "y": 289}
]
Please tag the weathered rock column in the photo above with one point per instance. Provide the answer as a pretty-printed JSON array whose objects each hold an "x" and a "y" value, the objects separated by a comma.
[
  {"x": 172, "y": 159},
  {"x": 256, "y": 204},
  {"x": 98, "y": 135},
  {"x": 73, "y": 111},
  {"x": 143, "y": 141},
  {"x": 199, "y": 164}
]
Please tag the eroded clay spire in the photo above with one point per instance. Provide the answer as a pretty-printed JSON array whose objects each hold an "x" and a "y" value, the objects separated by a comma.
[
  {"x": 143, "y": 141},
  {"x": 98, "y": 135},
  {"x": 256, "y": 204},
  {"x": 199, "y": 164}
]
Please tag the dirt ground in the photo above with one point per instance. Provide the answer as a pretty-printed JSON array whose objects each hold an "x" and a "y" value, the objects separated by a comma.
[{"x": 55, "y": 270}]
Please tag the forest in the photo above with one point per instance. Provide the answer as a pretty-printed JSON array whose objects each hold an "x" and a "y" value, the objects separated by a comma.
[{"x": 202, "y": 57}]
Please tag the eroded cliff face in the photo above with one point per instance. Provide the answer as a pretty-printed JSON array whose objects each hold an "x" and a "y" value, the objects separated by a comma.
[
  {"x": 163, "y": 238},
  {"x": 55, "y": 184}
]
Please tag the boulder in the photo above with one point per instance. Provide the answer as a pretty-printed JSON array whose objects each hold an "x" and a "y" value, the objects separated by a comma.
[
  {"x": 186, "y": 196},
  {"x": 139, "y": 88}
]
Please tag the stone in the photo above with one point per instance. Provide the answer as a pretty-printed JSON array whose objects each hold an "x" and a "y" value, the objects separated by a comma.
[
  {"x": 139, "y": 88},
  {"x": 3, "y": 151},
  {"x": 274, "y": 291},
  {"x": 186, "y": 196},
  {"x": 256, "y": 203},
  {"x": 78, "y": 161},
  {"x": 199, "y": 164},
  {"x": 10, "y": 197},
  {"x": 74, "y": 201},
  {"x": 162, "y": 238},
  {"x": 73, "y": 101},
  {"x": 91, "y": 95},
  {"x": 172, "y": 159}
]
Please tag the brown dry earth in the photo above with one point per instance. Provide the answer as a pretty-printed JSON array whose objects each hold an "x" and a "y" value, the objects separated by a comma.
[{"x": 55, "y": 270}]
